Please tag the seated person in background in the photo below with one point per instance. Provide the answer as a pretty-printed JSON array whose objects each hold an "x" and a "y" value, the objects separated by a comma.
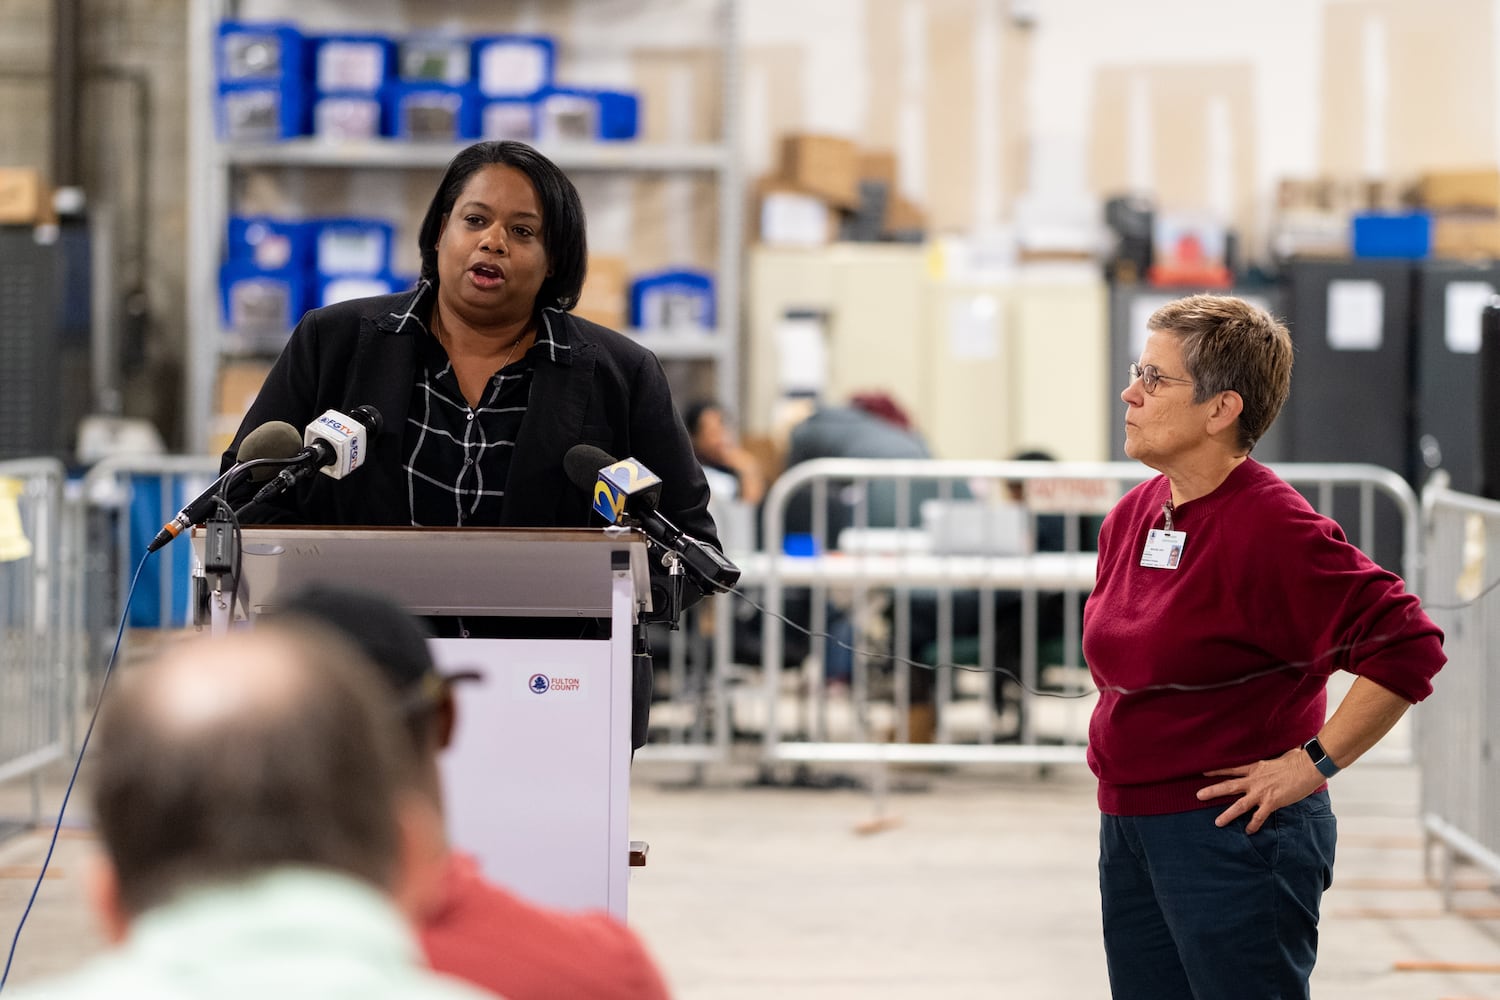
[
  {"x": 873, "y": 425},
  {"x": 474, "y": 929},
  {"x": 732, "y": 471},
  {"x": 258, "y": 829}
]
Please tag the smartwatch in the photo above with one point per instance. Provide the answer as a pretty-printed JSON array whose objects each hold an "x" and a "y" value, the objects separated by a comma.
[{"x": 1324, "y": 763}]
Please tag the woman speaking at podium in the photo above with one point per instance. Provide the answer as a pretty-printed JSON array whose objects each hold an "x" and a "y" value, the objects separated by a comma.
[{"x": 482, "y": 376}]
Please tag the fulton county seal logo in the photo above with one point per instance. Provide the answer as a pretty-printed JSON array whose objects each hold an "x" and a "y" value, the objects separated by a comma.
[{"x": 539, "y": 683}]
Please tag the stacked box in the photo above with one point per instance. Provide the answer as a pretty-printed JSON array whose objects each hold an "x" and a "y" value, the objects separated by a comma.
[
  {"x": 23, "y": 196},
  {"x": 514, "y": 65},
  {"x": 673, "y": 302},
  {"x": 262, "y": 71},
  {"x": 1465, "y": 206},
  {"x": 349, "y": 74},
  {"x": 277, "y": 269},
  {"x": 431, "y": 112},
  {"x": 443, "y": 59},
  {"x": 577, "y": 114},
  {"x": 1392, "y": 236},
  {"x": 823, "y": 165},
  {"x": 351, "y": 259},
  {"x": 509, "y": 118}
]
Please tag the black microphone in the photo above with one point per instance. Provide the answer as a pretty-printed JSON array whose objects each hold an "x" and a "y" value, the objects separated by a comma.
[
  {"x": 277, "y": 440},
  {"x": 335, "y": 444},
  {"x": 626, "y": 490}
]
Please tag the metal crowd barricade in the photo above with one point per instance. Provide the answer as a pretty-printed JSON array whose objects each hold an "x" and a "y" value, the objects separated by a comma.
[
  {"x": 1458, "y": 740},
  {"x": 804, "y": 723},
  {"x": 39, "y": 621},
  {"x": 126, "y": 500}
]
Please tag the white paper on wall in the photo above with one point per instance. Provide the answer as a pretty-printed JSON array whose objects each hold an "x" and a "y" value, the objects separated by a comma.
[
  {"x": 1463, "y": 310},
  {"x": 802, "y": 354},
  {"x": 1356, "y": 315},
  {"x": 974, "y": 328}
]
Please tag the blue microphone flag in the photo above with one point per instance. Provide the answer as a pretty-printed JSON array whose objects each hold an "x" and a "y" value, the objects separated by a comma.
[{"x": 619, "y": 482}]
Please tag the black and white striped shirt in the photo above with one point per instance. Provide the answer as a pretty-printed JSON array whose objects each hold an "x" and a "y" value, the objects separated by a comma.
[{"x": 457, "y": 456}]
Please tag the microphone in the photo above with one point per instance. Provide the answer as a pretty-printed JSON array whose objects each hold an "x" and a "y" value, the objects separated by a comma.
[
  {"x": 274, "y": 441},
  {"x": 626, "y": 490},
  {"x": 335, "y": 444}
]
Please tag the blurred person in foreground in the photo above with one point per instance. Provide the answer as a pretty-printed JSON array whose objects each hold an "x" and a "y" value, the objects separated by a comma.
[
  {"x": 260, "y": 836},
  {"x": 1211, "y": 737},
  {"x": 484, "y": 380},
  {"x": 472, "y": 928}
]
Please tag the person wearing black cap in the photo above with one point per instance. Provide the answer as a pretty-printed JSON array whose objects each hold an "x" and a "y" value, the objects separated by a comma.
[{"x": 477, "y": 930}]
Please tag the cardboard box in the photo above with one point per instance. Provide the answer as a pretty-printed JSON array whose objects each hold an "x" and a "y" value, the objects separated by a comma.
[
  {"x": 239, "y": 384},
  {"x": 605, "y": 297},
  {"x": 1311, "y": 233},
  {"x": 22, "y": 196},
  {"x": 877, "y": 165},
  {"x": 903, "y": 217},
  {"x": 1345, "y": 195},
  {"x": 824, "y": 165},
  {"x": 1466, "y": 236},
  {"x": 790, "y": 215},
  {"x": 1446, "y": 189}
]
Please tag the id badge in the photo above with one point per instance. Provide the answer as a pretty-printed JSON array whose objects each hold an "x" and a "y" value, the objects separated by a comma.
[{"x": 1163, "y": 549}]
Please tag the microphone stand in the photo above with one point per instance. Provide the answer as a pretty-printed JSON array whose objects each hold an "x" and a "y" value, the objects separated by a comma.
[
  {"x": 676, "y": 577},
  {"x": 221, "y": 565}
]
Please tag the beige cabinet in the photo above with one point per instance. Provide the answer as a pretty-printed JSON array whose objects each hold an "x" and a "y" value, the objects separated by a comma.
[{"x": 985, "y": 369}]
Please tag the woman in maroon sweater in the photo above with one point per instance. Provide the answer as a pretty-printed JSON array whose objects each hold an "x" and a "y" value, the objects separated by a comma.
[{"x": 1222, "y": 604}]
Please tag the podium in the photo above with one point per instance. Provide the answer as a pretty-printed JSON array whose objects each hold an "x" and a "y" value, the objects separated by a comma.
[{"x": 536, "y": 784}]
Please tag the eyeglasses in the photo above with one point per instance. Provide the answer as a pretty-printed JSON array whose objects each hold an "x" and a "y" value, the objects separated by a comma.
[{"x": 1151, "y": 377}]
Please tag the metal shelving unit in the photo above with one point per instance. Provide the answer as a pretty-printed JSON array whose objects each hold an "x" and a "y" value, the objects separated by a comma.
[{"x": 213, "y": 166}]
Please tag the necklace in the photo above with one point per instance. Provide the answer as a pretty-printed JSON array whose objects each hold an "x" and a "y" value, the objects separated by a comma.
[
  {"x": 441, "y": 333},
  {"x": 511, "y": 353}
]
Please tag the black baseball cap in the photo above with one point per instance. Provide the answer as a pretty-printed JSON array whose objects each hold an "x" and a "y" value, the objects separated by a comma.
[{"x": 390, "y": 636}]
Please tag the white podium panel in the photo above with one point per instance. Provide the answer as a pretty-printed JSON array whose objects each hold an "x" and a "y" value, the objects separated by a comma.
[
  {"x": 537, "y": 784},
  {"x": 527, "y": 781}
]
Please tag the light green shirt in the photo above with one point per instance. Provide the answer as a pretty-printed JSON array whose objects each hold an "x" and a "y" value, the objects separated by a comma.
[{"x": 290, "y": 934}]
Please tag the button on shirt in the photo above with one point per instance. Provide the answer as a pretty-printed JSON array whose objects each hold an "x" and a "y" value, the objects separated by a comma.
[{"x": 458, "y": 456}]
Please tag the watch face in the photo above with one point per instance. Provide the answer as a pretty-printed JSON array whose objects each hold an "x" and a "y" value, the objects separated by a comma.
[{"x": 1315, "y": 750}]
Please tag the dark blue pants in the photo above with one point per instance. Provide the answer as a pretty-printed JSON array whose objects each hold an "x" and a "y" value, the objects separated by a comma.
[{"x": 1195, "y": 912}]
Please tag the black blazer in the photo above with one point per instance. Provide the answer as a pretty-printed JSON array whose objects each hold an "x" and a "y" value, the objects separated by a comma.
[{"x": 612, "y": 394}]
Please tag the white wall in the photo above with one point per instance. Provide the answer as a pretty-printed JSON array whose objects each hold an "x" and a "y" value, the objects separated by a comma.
[{"x": 1281, "y": 39}]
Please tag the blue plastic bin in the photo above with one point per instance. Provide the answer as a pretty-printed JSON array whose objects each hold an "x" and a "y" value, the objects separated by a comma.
[
  {"x": 1393, "y": 237},
  {"x": 353, "y": 63},
  {"x": 514, "y": 65},
  {"x": 431, "y": 112},
  {"x": 586, "y": 115},
  {"x": 673, "y": 301}
]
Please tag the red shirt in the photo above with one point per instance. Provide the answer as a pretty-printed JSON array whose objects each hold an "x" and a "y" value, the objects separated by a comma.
[
  {"x": 1266, "y": 601},
  {"x": 523, "y": 951}
]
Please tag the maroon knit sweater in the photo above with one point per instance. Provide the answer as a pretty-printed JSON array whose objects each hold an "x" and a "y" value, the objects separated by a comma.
[{"x": 1268, "y": 599}]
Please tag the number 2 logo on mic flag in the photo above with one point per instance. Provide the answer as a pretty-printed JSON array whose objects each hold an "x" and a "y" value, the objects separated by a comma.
[
  {"x": 630, "y": 476},
  {"x": 618, "y": 482},
  {"x": 608, "y": 501}
]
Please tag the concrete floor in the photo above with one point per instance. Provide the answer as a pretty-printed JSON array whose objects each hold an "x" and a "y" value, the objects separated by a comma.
[{"x": 979, "y": 883}]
